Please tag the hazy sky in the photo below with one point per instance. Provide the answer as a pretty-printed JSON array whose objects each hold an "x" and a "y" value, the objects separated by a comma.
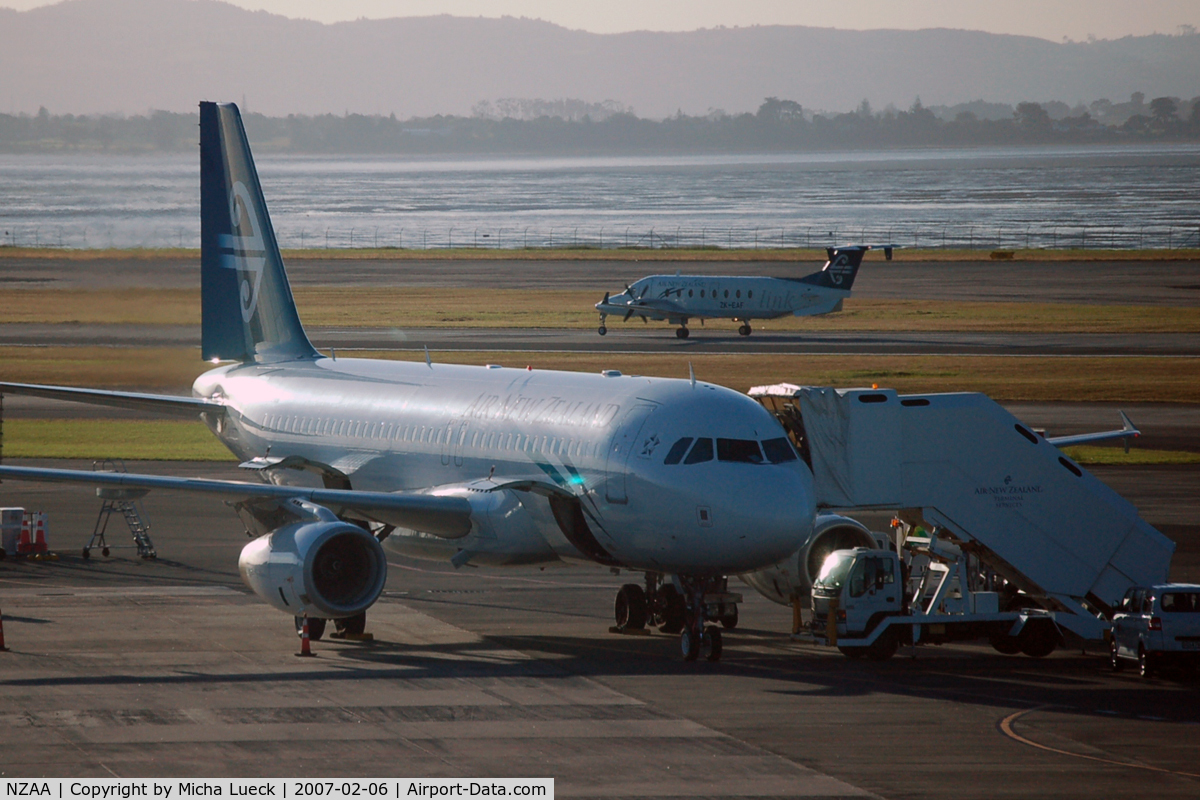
[{"x": 1048, "y": 19}]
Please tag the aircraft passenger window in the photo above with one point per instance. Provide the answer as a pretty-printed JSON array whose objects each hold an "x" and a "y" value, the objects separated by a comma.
[
  {"x": 749, "y": 294},
  {"x": 677, "y": 450},
  {"x": 689, "y": 292},
  {"x": 739, "y": 293},
  {"x": 778, "y": 450},
  {"x": 702, "y": 293},
  {"x": 727, "y": 293},
  {"x": 740, "y": 450},
  {"x": 701, "y": 451}
]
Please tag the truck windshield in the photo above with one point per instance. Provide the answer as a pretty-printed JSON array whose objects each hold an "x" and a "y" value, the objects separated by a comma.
[{"x": 834, "y": 570}]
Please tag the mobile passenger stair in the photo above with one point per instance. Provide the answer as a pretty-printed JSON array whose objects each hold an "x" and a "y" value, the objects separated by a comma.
[
  {"x": 964, "y": 467},
  {"x": 121, "y": 501}
]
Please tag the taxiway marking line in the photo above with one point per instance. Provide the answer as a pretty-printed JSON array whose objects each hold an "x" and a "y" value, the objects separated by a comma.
[{"x": 1007, "y": 729}]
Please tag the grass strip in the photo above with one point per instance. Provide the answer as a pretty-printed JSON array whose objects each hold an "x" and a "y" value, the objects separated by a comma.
[
  {"x": 1072, "y": 379},
  {"x": 133, "y": 440},
  {"x": 1091, "y": 455},
  {"x": 329, "y": 306}
]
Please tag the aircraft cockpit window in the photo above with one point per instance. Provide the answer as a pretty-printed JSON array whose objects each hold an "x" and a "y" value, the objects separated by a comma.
[
  {"x": 701, "y": 451},
  {"x": 745, "y": 451},
  {"x": 778, "y": 450},
  {"x": 677, "y": 450}
]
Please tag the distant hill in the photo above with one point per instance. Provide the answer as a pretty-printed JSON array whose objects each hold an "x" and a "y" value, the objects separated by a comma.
[{"x": 128, "y": 56}]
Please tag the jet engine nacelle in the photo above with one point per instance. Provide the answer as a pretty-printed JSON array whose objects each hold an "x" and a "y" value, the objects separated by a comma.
[
  {"x": 794, "y": 576},
  {"x": 324, "y": 568}
]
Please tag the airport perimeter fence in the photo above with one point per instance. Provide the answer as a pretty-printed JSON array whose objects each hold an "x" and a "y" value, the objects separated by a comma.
[{"x": 969, "y": 237}]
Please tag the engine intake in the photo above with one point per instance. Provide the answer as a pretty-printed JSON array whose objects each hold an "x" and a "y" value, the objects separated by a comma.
[
  {"x": 794, "y": 577},
  {"x": 327, "y": 569}
]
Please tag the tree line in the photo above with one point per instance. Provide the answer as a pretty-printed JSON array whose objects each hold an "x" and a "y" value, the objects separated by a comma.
[{"x": 777, "y": 125}]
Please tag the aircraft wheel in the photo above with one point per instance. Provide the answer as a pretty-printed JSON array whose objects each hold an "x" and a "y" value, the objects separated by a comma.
[
  {"x": 729, "y": 620},
  {"x": 689, "y": 644},
  {"x": 745, "y": 329},
  {"x": 682, "y": 333},
  {"x": 602, "y": 330},
  {"x": 630, "y": 608},
  {"x": 104, "y": 552},
  {"x": 1114, "y": 659},
  {"x": 316, "y": 628},
  {"x": 674, "y": 610},
  {"x": 350, "y": 626},
  {"x": 711, "y": 643}
]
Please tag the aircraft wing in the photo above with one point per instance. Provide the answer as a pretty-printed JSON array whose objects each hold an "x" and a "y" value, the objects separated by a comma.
[
  {"x": 189, "y": 407},
  {"x": 1103, "y": 436},
  {"x": 448, "y": 517}
]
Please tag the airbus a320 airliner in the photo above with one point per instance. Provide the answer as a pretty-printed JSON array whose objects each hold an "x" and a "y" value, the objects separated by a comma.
[{"x": 681, "y": 480}]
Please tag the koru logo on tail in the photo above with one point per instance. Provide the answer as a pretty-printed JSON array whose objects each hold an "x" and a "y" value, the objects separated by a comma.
[
  {"x": 243, "y": 250},
  {"x": 839, "y": 269}
]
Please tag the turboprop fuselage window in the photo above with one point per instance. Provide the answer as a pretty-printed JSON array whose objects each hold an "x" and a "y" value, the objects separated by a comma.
[
  {"x": 742, "y": 450},
  {"x": 702, "y": 450},
  {"x": 677, "y": 450}
]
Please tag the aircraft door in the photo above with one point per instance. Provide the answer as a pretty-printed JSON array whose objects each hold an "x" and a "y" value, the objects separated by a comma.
[
  {"x": 620, "y": 447},
  {"x": 452, "y": 442}
]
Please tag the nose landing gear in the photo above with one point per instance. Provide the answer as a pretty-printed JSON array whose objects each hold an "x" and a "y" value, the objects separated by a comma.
[
  {"x": 690, "y": 613},
  {"x": 602, "y": 329}
]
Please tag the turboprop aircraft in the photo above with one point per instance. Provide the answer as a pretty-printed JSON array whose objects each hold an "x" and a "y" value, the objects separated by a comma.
[
  {"x": 678, "y": 479},
  {"x": 681, "y": 298}
]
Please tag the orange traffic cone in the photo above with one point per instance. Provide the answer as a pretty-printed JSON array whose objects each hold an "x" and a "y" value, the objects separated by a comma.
[
  {"x": 39, "y": 538},
  {"x": 23, "y": 544},
  {"x": 305, "y": 647},
  {"x": 2, "y": 647}
]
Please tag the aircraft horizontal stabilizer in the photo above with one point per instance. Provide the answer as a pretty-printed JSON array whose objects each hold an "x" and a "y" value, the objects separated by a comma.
[
  {"x": 448, "y": 517},
  {"x": 1087, "y": 438},
  {"x": 189, "y": 407}
]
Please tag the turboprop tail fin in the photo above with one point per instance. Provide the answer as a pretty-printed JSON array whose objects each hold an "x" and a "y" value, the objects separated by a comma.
[{"x": 248, "y": 313}]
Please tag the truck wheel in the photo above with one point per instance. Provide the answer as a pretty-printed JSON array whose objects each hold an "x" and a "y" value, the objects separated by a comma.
[
  {"x": 1114, "y": 659},
  {"x": 1003, "y": 643},
  {"x": 884, "y": 647},
  {"x": 1039, "y": 638},
  {"x": 1146, "y": 665}
]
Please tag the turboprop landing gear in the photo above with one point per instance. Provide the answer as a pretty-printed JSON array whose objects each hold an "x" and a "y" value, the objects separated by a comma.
[
  {"x": 745, "y": 328},
  {"x": 682, "y": 332},
  {"x": 602, "y": 329}
]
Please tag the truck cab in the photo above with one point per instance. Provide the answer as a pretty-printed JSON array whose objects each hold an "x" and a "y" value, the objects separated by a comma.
[
  {"x": 855, "y": 591},
  {"x": 1157, "y": 626}
]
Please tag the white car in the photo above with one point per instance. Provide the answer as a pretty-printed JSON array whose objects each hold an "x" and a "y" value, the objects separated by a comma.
[{"x": 1157, "y": 626}]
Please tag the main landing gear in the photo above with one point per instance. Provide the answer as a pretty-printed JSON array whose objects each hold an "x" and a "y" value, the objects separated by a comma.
[
  {"x": 602, "y": 329},
  {"x": 682, "y": 332},
  {"x": 688, "y": 613},
  {"x": 745, "y": 328}
]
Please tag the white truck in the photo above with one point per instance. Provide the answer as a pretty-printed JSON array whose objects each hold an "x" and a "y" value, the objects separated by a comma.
[{"x": 1023, "y": 543}]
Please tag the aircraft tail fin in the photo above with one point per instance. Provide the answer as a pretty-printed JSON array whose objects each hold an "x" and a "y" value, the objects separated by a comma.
[
  {"x": 247, "y": 309},
  {"x": 841, "y": 268}
]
